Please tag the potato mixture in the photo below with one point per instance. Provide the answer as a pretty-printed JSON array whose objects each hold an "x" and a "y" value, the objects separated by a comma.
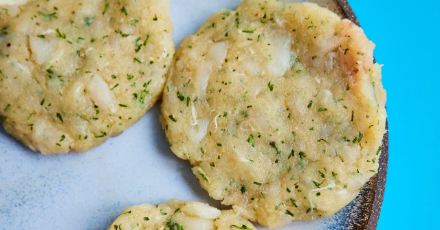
[
  {"x": 279, "y": 108},
  {"x": 74, "y": 73},
  {"x": 179, "y": 215}
]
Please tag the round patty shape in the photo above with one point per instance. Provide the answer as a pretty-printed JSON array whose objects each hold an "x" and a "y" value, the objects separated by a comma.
[
  {"x": 179, "y": 215},
  {"x": 73, "y": 74},
  {"x": 279, "y": 108}
]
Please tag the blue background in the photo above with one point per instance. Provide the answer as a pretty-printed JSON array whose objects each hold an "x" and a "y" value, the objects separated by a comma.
[{"x": 407, "y": 37}]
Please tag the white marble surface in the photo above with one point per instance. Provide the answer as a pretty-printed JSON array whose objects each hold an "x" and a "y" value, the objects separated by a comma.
[{"x": 89, "y": 190}]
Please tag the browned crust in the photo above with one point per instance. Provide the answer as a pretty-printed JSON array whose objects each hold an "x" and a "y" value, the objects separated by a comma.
[{"x": 379, "y": 181}]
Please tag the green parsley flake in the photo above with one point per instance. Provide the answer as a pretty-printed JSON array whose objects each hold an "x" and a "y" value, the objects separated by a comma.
[
  {"x": 105, "y": 9},
  {"x": 238, "y": 227},
  {"x": 172, "y": 118},
  {"x": 203, "y": 176},
  {"x": 60, "y": 117},
  {"x": 60, "y": 35},
  {"x": 124, "y": 11},
  {"x": 293, "y": 202},
  {"x": 48, "y": 16},
  {"x": 251, "y": 140},
  {"x": 248, "y": 31},
  {"x": 180, "y": 96},
  {"x": 270, "y": 86}
]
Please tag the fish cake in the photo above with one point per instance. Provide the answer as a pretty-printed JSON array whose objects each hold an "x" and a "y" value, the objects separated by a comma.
[
  {"x": 179, "y": 215},
  {"x": 73, "y": 74},
  {"x": 279, "y": 108}
]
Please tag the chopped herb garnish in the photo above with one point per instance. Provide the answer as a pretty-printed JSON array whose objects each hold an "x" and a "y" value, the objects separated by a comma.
[
  {"x": 352, "y": 115},
  {"x": 115, "y": 86},
  {"x": 103, "y": 134},
  {"x": 203, "y": 176},
  {"x": 122, "y": 105},
  {"x": 143, "y": 95},
  {"x": 242, "y": 227},
  {"x": 259, "y": 184},
  {"x": 48, "y": 16},
  {"x": 155, "y": 18},
  {"x": 270, "y": 86},
  {"x": 317, "y": 184},
  {"x": 60, "y": 35},
  {"x": 7, "y": 107},
  {"x": 124, "y": 11},
  {"x": 289, "y": 213},
  {"x": 88, "y": 21},
  {"x": 360, "y": 137},
  {"x": 3, "y": 30},
  {"x": 243, "y": 189},
  {"x": 129, "y": 77},
  {"x": 41, "y": 36},
  {"x": 105, "y": 8},
  {"x": 251, "y": 140},
  {"x": 322, "y": 109},
  {"x": 293, "y": 202},
  {"x": 180, "y": 96},
  {"x": 310, "y": 104},
  {"x": 60, "y": 117},
  {"x": 378, "y": 150},
  {"x": 334, "y": 177},
  {"x": 174, "y": 226},
  {"x": 146, "y": 218},
  {"x": 292, "y": 154},
  {"x": 219, "y": 144},
  {"x": 146, "y": 40},
  {"x": 248, "y": 31},
  {"x": 172, "y": 118},
  {"x": 137, "y": 60}
]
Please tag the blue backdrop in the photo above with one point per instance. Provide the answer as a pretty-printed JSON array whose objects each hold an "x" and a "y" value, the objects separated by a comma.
[{"x": 407, "y": 37}]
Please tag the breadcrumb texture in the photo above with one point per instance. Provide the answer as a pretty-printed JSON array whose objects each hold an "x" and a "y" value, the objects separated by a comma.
[
  {"x": 179, "y": 215},
  {"x": 279, "y": 108},
  {"x": 72, "y": 73}
]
